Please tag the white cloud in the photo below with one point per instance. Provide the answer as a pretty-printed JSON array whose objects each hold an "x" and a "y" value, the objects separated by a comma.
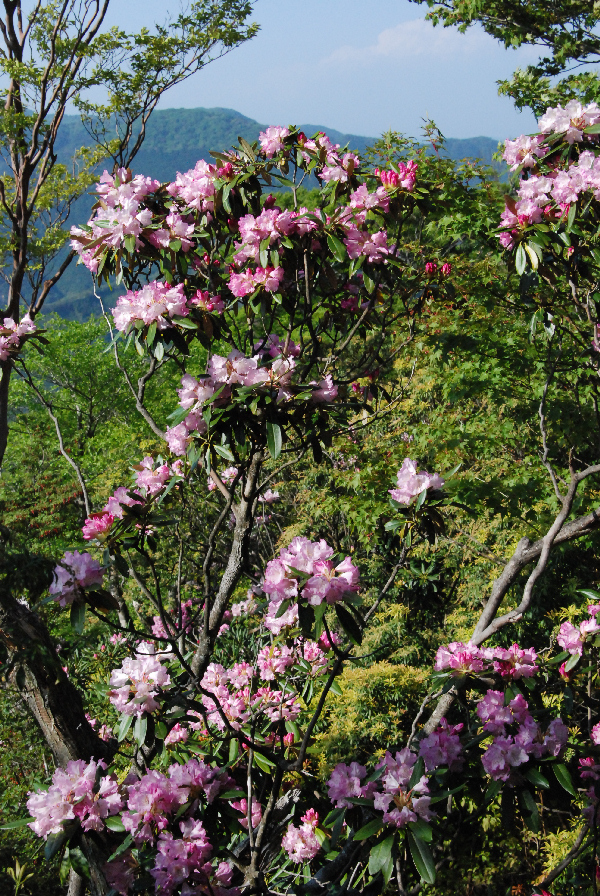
[{"x": 414, "y": 38}]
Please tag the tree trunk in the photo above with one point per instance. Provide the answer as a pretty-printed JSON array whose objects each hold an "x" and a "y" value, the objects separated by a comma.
[{"x": 57, "y": 707}]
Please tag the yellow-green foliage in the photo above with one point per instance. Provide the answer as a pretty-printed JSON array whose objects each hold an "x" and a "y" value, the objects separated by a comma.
[{"x": 370, "y": 714}]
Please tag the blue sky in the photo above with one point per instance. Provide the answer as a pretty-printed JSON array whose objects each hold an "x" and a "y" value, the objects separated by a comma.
[{"x": 361, "y": 67}]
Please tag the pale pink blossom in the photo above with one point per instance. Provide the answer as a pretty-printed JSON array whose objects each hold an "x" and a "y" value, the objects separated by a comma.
[
  {"x": 74, "y": 573},
  {"x": 410, "y": 483},
  {"x": 139, "y": 681},
  {"x": 300, "y": 843},
  {"x": 271, "y": 140},
  {"x": 442, "y": 747},
  {"x": 569, "y": 638},
  {"x": 524, "y": 151},
  {"x": 74, "y": 794}
]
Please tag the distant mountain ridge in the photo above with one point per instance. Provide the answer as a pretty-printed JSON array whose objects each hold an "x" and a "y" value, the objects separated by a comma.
[{"x": 175, "y": 140}]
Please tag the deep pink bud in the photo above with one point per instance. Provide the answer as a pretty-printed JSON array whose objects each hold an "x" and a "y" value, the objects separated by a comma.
[
  {"x": 430, "y": 267},
  {"x": 446, "y": 269},
  {"x": 288, "y": 739}
]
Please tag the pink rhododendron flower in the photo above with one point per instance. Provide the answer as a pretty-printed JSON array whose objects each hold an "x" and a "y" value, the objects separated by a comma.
[
  {"x": 75, "y": 794},
  {"x": 570, "y": 120},
  {"x": 206, "y": 302},
  {"x": 177, "y": 228},
  {"x": 150, "y": 802},
  {"x": 97, "y": 526},
  {"x": 121, "y": 498},
  {"x": 301, "y": 843},
  {"x": 242, "y": 806},
  {"x": 442, "y": 747},
  {"x": 177, "y": 735},
  {"x": 155, "y": 302},
  {"x": 459, "y": 658},
  {"x": 345, "y": 783},
  {"x": 595, "y": 733},
  {"x": 138, "y": 682},
  {"x": 196, "y": 188},
  {"x": 75, "y": 572},
  {"x": 273, "y": 660},
  {"x": 569, "y": 638},
  {"x": 513, "y": 663},
  {"x": 227, "y": 477},
  {"x": 523, "y": 152},
  {"x": 271, "y": 140},
  {"x": 410, "y": 483},
  {"x": 403, "y": 178},
  {"x": 326, "y": 390},
  {"x": 150, "y": 478},
  {"x": 399, "y": 802},
  {"x": 12, "y": 335}
]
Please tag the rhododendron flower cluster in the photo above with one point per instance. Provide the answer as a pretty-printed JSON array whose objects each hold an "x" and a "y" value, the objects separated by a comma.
[
  {"x": 175, "y": 626},
  {"x": 75, "y": 793},
  {"x": 271, "y": 225},
  {"x": 12, "y": 335},
  {"x": 517, "y": 736},
  {"x": 97, "y": 526},
  {"x": 410, "y": 483},
  {"x": 155, "y": 302},
  {"x": 271, "y": 140},
  {"x": 226, "y": 477},
  {"x": 136, "y": 685},
  {"x": 512, "y": 663},
  {"x": 301, "y": 843},
  {"x": 442, "y": 747},
  {"x": 305, "y": 571},
  {"x": 346, "y": 784},
  {"x": 75, "y": 572},
  {"x": 234, "y": 696},
  {"x": 400, "y": 802},
  {"x": 262, "y": 371},
  {"x": 256, "y": 812},
  {"x": 392, "y": 793},
  {"x": 403, "y": 178},
  {"x": 549, "y": 194},
  {"x": 573, "y": 637},
  {"x": 119, "y": 216},
  {"x": 570, "y": 120}
]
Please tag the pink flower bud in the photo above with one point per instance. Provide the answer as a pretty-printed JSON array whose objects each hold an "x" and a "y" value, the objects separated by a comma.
[
  {"x": 446, "y": 269},
  {"x": 288, "y": 739},
  {"x": 430, "y": 267}
]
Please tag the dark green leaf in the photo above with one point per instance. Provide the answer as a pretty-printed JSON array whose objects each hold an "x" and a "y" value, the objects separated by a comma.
[
  {"x": 381, "y": 857},
  {"x": 537, "y": 778},
  {"x": 338, "y": 249},
  {"x": 18, "y": 823},
  {"x": 124, "y": 726},
  {"x": 54, "y": 843},
  {"x": 563, "y": 776},
  {"x": 349, "y": 624},
  {"x": 369, "y": 830},
  {"x": 274, "y": 439},
  {"x": 224, "y": 451},
  {"x": 78, "y": 616},
  {"x": 79, "y": 862},
  {"x": 520, "y": 259},
  {"x": 422, "y": 858},
  {"x": 139, "y": 729}
]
